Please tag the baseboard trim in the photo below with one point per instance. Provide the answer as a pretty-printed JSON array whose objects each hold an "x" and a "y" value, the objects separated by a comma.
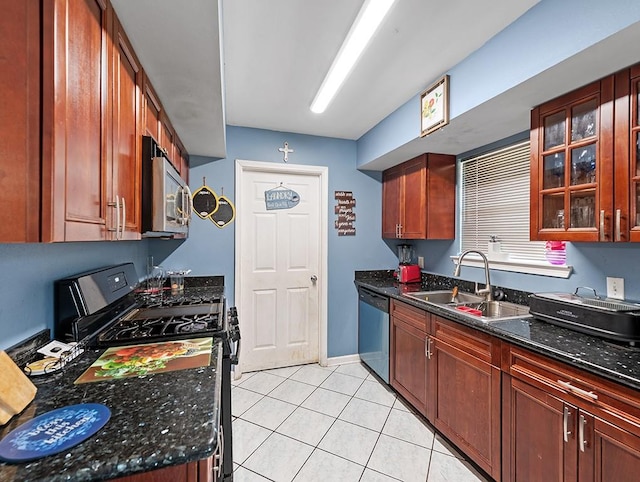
[{"x": 340, "y": 360}]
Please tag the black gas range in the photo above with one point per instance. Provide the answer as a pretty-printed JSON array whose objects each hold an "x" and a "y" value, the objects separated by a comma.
[{"x": 108, "y": 307}]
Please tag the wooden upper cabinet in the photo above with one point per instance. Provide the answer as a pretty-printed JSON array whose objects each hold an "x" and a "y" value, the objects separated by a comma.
[
  {"x": 152, "y": 109},
  {"x": 182, "y": 160},
  {"x": 157, "y": 124},
  {"x": 20, "y": 122},
  {"x": 627, "y": 155},
  {"x": 418, "y": 198},
  {"x": 572, "y": 166},
  {"x": 167, "y": 141},
  {"x": 75, "y": 174},
  {"x": 126, "y": 137}
]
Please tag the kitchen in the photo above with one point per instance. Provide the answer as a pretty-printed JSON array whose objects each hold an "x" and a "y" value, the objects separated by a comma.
[{"x": 27, "y": 302}]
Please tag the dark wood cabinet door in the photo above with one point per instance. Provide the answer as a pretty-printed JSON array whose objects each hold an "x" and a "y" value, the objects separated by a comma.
[
  {"x": 152, "y": 110},
  {"x": 419, "y": 198},
  {"x": 76, "y": 170},
  {"x": 466, "y": 393},
  {"x": 410, "y": 343},
  {"x": 537, "y": 446},
  {"x": 176, "y": 473},
  {"x": 409, "y": 363},
  {"x": 20, "y": 122},
  {"x": 612, "y": 454},
  {"x": 391, "y": 201},
  {"x": 167, "y": 138},
  {"x": 127, "y": 84},
  {"x": 441, "y": 197},
  {"x": 627, "y": 155},
  {"x": 413, "y": 208},
  {"x": 572, "y": 166},
  {"x": 182, "y": 160}
]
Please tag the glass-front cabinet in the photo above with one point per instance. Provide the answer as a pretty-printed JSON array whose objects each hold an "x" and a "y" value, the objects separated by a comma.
[
  {"x": 627, "y": 155},
  {"x": 572, "y": 165}
]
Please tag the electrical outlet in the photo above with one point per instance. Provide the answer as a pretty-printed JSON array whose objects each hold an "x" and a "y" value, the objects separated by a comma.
[
  {"x": 421, "y": 262},
  {"x": 615, "y": 288}
]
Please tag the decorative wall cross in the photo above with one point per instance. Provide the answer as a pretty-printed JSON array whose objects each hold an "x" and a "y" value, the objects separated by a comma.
[{"x": 286, "y": 151}]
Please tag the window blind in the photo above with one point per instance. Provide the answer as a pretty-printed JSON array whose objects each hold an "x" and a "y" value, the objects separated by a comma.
[{"x": 495, "y": 202}]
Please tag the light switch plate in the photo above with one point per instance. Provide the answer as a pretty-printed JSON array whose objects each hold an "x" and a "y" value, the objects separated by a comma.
[
  {"x": 421, "y": 262},
  {"x": 615, "y": 288}
]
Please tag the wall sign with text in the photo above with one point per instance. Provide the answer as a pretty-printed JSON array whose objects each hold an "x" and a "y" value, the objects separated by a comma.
[
  {"x": 280, "y": 198},
  {"x": 345, "y": 215}
]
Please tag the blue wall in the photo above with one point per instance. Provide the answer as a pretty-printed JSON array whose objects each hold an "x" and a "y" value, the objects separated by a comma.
[
  {"x": 209, "y": 250},
  {"x": 549, "y": 33},
  {"x": 29, "y": 270}
]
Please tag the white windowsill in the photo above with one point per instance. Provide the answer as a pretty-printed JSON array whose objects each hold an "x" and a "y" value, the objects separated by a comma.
[{"x": 516, "y": 266}]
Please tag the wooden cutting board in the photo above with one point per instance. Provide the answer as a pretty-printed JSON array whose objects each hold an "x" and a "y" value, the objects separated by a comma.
[{"x": 16, "y": 390}]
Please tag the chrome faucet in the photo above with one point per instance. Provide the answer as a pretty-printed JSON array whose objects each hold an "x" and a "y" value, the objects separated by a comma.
[{"x": 486, "y": 291}]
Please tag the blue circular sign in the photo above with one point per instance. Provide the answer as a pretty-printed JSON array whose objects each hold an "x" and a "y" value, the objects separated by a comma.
[{"x": 53, "y": 432}]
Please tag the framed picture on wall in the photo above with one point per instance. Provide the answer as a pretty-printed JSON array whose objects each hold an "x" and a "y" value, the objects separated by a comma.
[{"x": 434, "y": 106}]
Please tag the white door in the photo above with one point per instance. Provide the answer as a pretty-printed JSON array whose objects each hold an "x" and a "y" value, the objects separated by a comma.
[{"x": 280, "y": 279}]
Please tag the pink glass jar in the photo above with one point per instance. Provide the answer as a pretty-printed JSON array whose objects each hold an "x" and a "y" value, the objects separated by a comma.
[{"x": 556, "y": 252}]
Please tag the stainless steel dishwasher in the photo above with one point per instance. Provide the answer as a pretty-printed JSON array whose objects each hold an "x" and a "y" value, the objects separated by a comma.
[{"x": 373, "y": 331}]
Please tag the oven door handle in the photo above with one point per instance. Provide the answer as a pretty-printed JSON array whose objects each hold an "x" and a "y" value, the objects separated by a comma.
[{"x": 235, "y": 340}]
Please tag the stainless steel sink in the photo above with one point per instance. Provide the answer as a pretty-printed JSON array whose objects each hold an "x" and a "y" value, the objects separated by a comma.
[
  {"x": 443, "y": 297},
  {"x": 493, "y": 310},
  {"x": 472, "y": 306}
]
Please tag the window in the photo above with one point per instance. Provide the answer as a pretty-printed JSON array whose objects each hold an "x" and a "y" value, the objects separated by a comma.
[{"x": 495, "y": 202}]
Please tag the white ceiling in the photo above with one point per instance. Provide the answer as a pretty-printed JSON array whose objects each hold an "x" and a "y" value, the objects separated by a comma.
[{"x": 275, "y": 55}]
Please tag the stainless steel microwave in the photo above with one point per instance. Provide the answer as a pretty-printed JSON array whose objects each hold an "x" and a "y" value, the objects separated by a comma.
[{"x": 166, "y": 198}]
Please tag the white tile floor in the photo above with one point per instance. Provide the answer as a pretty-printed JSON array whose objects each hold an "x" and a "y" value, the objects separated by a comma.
[{"x": 310, "y": 423}]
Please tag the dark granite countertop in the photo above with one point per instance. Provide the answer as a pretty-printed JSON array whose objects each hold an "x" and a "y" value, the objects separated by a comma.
[
  {"x": 617, "y": 363},
  {"x": 156, "y": 420}
]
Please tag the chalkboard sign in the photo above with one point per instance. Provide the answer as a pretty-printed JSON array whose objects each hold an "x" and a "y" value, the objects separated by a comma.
[
  {"x": 225, "y": 213},
  {"x": 205, "y": 202}
]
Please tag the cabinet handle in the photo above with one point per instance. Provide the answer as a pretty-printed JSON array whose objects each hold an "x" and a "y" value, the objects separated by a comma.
[
  {"x": 618, "y": 216},
  {"x": 581, "y": 426},
  {"x": 117, "y": 206},
  {"x": 124, "y": 218},
  {"x": 565, "y": 424},
  {"x": 602, "y": 225},
  {"x": 578, "y": 391},
  {"x": 399, "y": 230},
  {"x": 427, "y": 347}
]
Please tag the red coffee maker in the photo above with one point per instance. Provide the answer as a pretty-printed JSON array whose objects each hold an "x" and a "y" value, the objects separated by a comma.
[{"x": 408, "y": 271}]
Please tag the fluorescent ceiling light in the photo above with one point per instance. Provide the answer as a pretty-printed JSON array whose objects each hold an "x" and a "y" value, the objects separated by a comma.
[{"x": 365, "y": 25}]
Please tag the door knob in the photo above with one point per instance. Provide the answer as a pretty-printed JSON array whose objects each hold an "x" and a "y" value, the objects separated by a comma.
[{"x": 314, "y": 278}]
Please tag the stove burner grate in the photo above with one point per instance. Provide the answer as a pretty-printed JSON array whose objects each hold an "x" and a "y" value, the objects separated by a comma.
[{"x": 161, "y": 327}]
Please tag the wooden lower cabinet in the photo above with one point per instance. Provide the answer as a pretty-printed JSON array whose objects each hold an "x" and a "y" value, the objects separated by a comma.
[
  {"x": 563, "y": 425},
  {"x": 409, "y": 353},
  {"x": 518, "y": 415},
  {"x": 465, "y": 387},
  {"x": 538, "y": 451},
  {"x": 200, "y": 471}
]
